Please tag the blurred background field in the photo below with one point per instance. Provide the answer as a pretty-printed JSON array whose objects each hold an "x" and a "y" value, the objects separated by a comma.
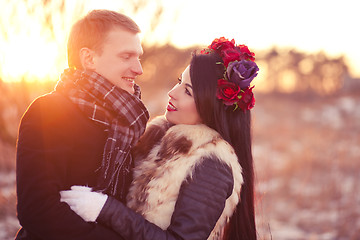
[{"x": 306, "y": 121}]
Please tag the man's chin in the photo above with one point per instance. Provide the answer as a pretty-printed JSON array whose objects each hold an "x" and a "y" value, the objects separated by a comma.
[{"x": 130, "y": 90}]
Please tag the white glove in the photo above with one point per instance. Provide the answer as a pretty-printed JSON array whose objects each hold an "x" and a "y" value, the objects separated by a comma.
[{"x": 85, "y": 203}]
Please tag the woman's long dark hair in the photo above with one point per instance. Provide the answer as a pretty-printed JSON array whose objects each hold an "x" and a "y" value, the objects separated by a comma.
[{"x": 235, "y": 128}]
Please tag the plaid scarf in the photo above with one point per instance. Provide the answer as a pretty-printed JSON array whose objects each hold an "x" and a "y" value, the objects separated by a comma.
[{"x": 123, "y": 115}]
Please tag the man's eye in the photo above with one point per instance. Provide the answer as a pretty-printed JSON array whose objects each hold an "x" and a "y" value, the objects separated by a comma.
[
  {"x": 179, "y": 80},
  {"x": 125, "y": 57}
]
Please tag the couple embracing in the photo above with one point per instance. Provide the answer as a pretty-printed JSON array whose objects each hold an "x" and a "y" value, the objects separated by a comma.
[{"x": 90, "y": 166}]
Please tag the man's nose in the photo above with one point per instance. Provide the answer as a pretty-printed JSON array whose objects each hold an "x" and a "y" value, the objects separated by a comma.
[{"x": 137, "y": 68}]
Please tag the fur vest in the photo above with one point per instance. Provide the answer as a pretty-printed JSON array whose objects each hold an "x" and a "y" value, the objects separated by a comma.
[{"x": 165, "y": 157}]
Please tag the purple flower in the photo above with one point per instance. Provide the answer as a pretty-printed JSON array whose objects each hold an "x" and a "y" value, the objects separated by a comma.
[{"x": 242, "y": 72}]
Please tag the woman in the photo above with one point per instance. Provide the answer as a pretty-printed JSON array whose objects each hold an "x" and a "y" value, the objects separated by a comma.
[{"x": 193, "y": 177}]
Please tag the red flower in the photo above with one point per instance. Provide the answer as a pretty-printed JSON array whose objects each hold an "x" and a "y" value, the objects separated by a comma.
[
  {"x": 228, "y": 51},
  {"x": 247, "y": 99},
  {"x": 238, "y": 53},
  {"x": 246, "y": 54},
  {"x": 227, "y": 91},
  {"x": 230, "y": 55},
  {"x": 220, "y": 44}
]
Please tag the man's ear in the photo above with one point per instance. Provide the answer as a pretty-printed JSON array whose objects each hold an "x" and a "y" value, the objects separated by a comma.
[{"x": 87, "y": 58}]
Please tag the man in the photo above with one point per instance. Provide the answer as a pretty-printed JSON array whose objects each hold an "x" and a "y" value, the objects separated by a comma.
[{"x": 81, "y": 133}]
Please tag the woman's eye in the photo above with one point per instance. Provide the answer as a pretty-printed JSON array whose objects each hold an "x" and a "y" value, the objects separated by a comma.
[{"x": 188, "y": 92}]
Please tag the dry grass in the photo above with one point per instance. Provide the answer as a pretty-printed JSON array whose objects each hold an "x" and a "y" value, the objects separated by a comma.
[
  {"x": 306, "y": 152},
  {"x": 8, "y": 222}
]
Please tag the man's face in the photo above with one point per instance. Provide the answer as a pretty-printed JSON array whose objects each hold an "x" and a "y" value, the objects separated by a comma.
[{"x": 119, "y": 60}]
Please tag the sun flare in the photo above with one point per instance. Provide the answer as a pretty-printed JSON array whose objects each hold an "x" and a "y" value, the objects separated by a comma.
[
  {"x": 34, "y": 58},
  {"x": 30, "y": 50}
]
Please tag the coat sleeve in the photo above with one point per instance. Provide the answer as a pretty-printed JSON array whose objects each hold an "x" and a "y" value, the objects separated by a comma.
[
  {"x": 41, "y": 174},
  {"x": 200, "y": 203}
]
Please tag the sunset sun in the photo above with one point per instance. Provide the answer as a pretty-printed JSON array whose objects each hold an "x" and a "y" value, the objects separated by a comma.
[
  {"x": 33, "y": 37},
  {"x": 34, "y": 58}
]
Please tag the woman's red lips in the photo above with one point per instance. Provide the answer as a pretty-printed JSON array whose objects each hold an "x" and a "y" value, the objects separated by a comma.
[{"x": 171, "y": 107}]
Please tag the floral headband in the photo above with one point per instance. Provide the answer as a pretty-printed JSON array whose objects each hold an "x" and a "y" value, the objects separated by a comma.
[{"x": 240, "y": 69}]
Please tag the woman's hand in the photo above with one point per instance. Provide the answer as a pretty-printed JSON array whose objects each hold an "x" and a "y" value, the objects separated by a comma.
[{"x": 84, "y": 202}]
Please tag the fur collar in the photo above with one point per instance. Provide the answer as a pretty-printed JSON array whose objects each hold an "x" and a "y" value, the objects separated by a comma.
[{"x": 161, "y": 169}]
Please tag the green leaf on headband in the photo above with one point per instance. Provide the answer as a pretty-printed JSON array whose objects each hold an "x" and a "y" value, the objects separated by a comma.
[{"x": 236, "y": 107}]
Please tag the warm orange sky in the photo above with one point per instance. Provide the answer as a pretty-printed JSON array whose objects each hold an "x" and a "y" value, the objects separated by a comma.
[{"x": 28, "y": 49}]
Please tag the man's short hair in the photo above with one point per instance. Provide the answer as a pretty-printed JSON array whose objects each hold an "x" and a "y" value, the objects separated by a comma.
[{"x": 91, "y": 31}]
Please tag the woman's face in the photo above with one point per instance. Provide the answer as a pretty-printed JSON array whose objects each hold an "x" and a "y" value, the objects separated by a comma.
[{"x": 181, "y": 108}]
